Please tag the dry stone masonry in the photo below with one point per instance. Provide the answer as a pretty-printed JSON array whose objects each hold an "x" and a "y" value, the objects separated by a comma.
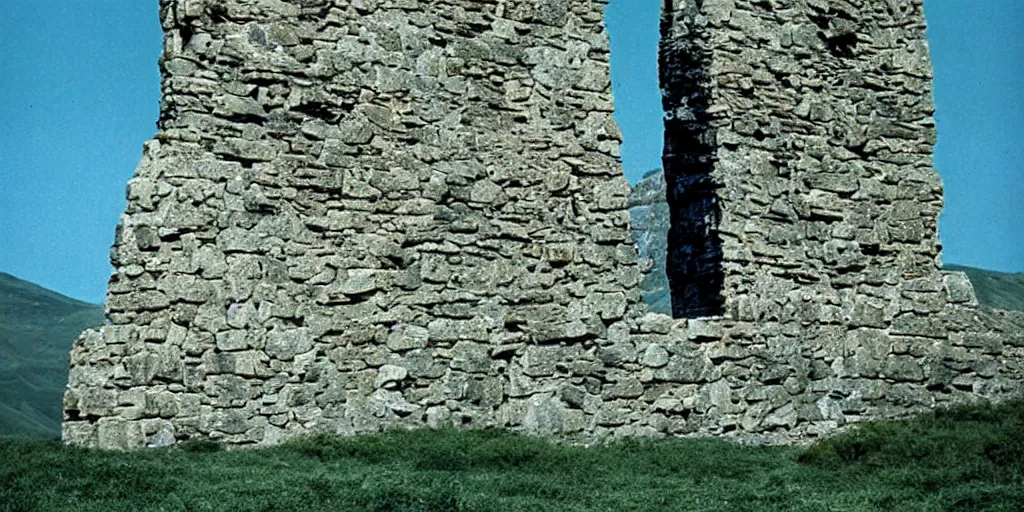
[{"x": 367, "y": 214}]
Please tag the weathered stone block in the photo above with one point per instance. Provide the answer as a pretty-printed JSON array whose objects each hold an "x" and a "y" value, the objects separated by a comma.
[
  {"x": 688, "y": 369},
  {"x": 390, "y": 375},
  {"x": 285, "y": 344},
  {"x": 117, "y": 434},
  {"x": 655, "y": 356},
  {"x": 406, "y": 337}
]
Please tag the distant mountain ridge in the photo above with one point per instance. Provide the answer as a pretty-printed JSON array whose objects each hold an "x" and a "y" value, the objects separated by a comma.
[
  {"x": 649, "y": 217},
  {"x": 995, "y": 289},
  {"x": 649, "y": 222},
  {"x": 37, "y": 328}
]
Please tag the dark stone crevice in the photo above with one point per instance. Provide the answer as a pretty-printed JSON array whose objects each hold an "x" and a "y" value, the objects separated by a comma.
[{"x": 694, "y": 260}]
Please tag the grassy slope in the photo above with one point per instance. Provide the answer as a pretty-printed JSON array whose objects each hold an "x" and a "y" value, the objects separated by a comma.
[
  {"x": 995, "y": 289},
  {"x": 37, "y": 328},
  {"x": 963, "y": 459}
]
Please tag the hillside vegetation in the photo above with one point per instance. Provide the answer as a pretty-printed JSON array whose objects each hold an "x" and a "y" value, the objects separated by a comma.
[
  {"x": 995, "y": 289},
  {"x": 961, "y": 459},
  {"x": 37, "y": 328}
]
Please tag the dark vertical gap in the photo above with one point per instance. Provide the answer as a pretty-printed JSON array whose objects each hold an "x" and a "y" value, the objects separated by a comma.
[{"x": 694, "y": 262}]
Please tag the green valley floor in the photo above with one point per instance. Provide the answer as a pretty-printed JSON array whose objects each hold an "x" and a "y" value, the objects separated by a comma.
[{"x": 969, "y": 458}]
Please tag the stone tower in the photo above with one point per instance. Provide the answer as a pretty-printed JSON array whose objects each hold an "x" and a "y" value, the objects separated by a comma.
[
  {"x": 360, "y": 214},
  {"x": 798, "y": 166},
  {"x": 349, "y": 199},
  {"x": 798, "y": 151}
]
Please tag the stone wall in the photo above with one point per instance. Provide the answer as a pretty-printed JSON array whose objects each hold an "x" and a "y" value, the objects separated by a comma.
[
  {"x": 847, "y": 376},
  {"x": 362, "y": 214},
  {"x": 357, "y": 213},
  {"x": 815, "y": 129},
  {"x": 798, "y": 157}
]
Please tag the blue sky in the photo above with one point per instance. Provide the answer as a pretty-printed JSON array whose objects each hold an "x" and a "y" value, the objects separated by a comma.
[{"x": 79, "y": 94}]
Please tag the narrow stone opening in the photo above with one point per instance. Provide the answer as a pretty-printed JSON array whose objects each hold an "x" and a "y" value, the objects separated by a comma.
[
  {"x": 694, "y": 260},
  {"x": 633, "y": 30}
]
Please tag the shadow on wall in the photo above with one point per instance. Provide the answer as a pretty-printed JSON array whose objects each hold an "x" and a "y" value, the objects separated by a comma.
[{"x": 694, "y": 260}]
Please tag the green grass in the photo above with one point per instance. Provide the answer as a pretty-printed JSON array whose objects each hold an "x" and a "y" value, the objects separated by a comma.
[{"x": 961, "y": 459}]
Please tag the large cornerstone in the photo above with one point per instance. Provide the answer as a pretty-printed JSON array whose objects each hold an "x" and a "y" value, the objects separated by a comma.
[{"x": 367, "y": 214}]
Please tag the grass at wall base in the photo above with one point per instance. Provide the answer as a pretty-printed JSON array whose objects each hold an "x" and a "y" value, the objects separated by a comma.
[{"x": 966, "y": 458}]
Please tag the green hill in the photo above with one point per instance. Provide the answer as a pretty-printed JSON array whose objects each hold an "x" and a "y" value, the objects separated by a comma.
[
  {"x": 37, "y": 328},
  {"x": 995, "y": 289}
]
